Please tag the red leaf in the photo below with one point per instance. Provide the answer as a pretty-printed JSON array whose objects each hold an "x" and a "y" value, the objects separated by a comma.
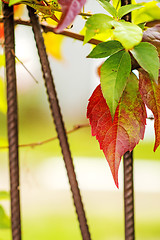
[
  {"x": 150, "y": 92},
  {"x": 152, "y": 35},
  {"x": 121, "y": 135},
  {"x": 70, "y": 9}
]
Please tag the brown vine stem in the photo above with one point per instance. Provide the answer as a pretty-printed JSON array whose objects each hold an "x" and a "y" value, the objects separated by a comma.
[
  {"x": 75, "y": 128},
  {"x": 73, "y": 35},
  {"x": 68, "y": 33},
  {"x": 12, "y": 121},
  {"x": 47, "y": 28},
  {"x": 58, "y": 120},
  {"x": 128, "y": 175}
]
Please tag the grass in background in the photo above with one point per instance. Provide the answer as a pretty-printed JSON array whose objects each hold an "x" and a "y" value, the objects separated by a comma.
[{"x": 35, "y": 124}]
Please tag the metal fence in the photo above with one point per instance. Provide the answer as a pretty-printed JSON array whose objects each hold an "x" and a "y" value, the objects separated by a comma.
[{"x": 12, "y": 121}]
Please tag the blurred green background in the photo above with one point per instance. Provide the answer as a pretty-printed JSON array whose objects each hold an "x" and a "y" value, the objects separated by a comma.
[{"x": 46, "y": 202}]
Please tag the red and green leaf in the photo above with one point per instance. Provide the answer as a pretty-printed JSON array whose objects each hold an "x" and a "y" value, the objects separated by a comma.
[
  {"x": 152, "y": 35},
  {"x": 70, "y": 9},
  {"x": 150, "y": 92},
  {"x": 124, "y": 132}
]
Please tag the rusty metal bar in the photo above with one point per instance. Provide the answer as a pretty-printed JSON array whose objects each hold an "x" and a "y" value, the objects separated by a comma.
[
  {"x": 128, "y": 176},
  {"x": 56, "y": 113},
  {"x": 129, "y": 196},
  {"x": 12, "y": 121}
]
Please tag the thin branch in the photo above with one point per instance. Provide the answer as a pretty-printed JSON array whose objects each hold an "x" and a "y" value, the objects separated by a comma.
[
  {"x": 68, "y": 33},
  {"x": 24, "y": 66},
  {"x": 35, "y": 144},
  {"x": 47, "y": 28}
]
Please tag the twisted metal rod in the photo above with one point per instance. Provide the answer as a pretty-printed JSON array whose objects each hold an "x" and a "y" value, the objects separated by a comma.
[
  {"x": 12, "y": 121},
  {"x": 56, "y": 114},
  {"x": 128, "y": 176},
  {"x": 129, "y": 196}
]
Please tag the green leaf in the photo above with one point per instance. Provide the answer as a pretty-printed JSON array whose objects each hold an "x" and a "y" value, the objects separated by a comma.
[
  {"x": 4, "y": 195},
  {"x": 127, "y": 33},
  {"x": 3, "y": 102},
  {"x": 97, "y": 23},
  {"x": 114, "y": 74},
  {"x": 0, "y": 6},
  {"x": 12, "y": 2},
  {"x": 108, "y": 7},
  {"x": 127, "y": 9},
  {"x": 106, "y": 49},
  {"x": 147, "y": 57},
  {"x": 4, "y": 219}
]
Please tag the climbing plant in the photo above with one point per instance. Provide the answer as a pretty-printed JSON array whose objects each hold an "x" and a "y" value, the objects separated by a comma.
[{"x": 127, "y": 38}]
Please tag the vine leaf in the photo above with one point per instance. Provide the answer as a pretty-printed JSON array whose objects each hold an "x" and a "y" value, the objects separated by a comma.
[
  {"x": 152, "y": 35},
  {"x": 127, "y": 33},
  {"x": 150, "y": 92},
  {"x": 12, "y": 2},
  {"x": 70, "y": 9},
  {"x": 128, "y": 8},
  {"x": 147, "y": 57},
  {"x": 121, "y": 135},
  {"x": 108, "y": 7},
  {"x": 106, "y": 49},
  {"x": 97, "y": 23},
  {"x": 148, "y": 13},
  {"x": 114, "y": 74}
]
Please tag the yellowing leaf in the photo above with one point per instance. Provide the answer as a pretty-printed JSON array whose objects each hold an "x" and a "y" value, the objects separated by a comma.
[
  {"x": 53, "y": 44},
  {"x": 148, "y": 13},
  {"x": 3, "y": 103},
  {"x": 104, "y": 36},
  {"x": 2, "y": 60},
  {"x": 96, "y": 24},
  {"x": 127, "y": 33},
  {"x": 107, "y": 35}
]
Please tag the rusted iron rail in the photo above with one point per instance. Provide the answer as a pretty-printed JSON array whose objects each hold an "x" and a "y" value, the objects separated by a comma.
[
  {"x": 57, "y": 117},
  {"x": 128, "y": 176},
  {"x": 129, "y": 196},
  {"x": 12, "y": 121}
]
